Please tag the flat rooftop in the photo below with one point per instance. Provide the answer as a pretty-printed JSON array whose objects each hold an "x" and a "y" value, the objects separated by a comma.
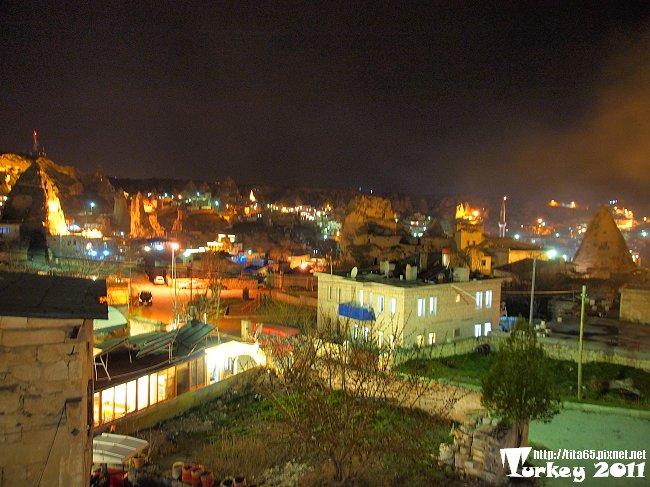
[
  {"x": 396, "y": 282},
  {"x": 37, "y": 296}
]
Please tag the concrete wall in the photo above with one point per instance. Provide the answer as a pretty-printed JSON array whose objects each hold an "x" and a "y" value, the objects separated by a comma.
[
  {"x": 175, "y": 407},
  {"x": 555, "y": 348},
  {"x": 45, "y": 382},
  {"x": 635, "y": 305}
]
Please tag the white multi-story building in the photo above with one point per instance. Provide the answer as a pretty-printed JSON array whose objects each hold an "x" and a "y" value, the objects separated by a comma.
[{"x": 409, "y": 312}]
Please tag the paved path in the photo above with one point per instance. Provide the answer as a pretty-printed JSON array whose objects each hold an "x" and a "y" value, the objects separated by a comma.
[{"x": 578, "y": 430}]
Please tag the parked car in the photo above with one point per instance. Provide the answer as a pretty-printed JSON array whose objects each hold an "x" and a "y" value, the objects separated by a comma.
[
  {"x": 146, "y": 298},
  {"x": 159, "y": 280}
]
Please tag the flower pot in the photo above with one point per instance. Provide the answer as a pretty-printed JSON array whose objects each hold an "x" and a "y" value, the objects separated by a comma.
[
  {"x": 226, "y": 483},
  {"x": 240, "y": 481},
  {"x": 138, "y": 462},
  {"x": 177, "y": 470},
  {"x": 207, "y": 479},
  {"x": 196, "y": 475},
  {"x": 186, "y": 474}
]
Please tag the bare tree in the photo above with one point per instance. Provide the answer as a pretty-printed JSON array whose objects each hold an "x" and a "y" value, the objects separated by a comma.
[{"x": 330, "y": 386}]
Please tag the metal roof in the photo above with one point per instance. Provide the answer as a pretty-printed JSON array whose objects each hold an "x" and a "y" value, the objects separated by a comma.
[
  {"x": 34, "y": 295},
  {"x": 116, "y": 449}
]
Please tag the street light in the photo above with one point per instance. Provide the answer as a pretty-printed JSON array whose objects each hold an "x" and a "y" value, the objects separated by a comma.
[
  {"x": 174, "y": 247},
  {"x": 92, "y": 205}
]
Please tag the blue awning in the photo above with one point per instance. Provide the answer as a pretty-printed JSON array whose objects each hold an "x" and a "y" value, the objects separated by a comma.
[{"x": 356, "y": 312}]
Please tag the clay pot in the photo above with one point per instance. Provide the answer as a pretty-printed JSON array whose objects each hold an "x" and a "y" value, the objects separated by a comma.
[
  {"x": 138, "y": 462},
  {"x": 186, "y": 474},
  {"x": 240, "y": 481},
  {"x": 207, "y": 479},
  {"x": 177, "y": 470},
  {"x": 197, "y": 470},
  {"x": 226, "y": 483}
]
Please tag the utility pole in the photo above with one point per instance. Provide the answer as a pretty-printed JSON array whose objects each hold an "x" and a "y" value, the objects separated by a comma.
[
  {"x": 582, "y": 321},
  {"x": 532, "y": 294}
]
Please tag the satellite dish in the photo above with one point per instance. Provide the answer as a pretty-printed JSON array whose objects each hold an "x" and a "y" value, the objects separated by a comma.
[{"x": 354, "y": 272}]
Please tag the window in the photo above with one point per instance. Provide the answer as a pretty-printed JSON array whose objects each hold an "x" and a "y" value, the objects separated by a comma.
[
  {"x": 96, "y": 408},
  {"x": 393, "y": 306},
  {"x": 419, "y": 340},
  {"x": 120, "y": 400},
  {"x": 107, "y": 405},
  {"x": 457, "y": 298},
  {"x": 143, "y": 392},
  {"x": 420, "y": 307},
  {"x": 456, "y": 332},
  {"x": 338, "y": 295},
  {"x": 488, "y": 299},
  {"x": 487, "y": 329},
  {"x": 479, "y": 299},
  {"x": 380, "y": 304},
  {"x": 370, "y": 299},
  {"x": 432, "y": 338},
  {"x": 361, "y": 297},
  {"x": 365, "y": 334},
  {"x": 380, "y": 339},
  {"x": 329, "y": 292},
  {"x": 433, "y": 306},
  {"x": 477, "y": 330},
  {"x": 153, "y": 388},
  {"x": 131, "y": 389},
  {"x": 355, "y": 332},
  {"x": 391, "y": 341}
]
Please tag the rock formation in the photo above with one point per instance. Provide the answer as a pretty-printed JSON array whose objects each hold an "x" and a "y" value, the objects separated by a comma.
[
  {"x": 603, "y": 251},
  {"x": 143, "y": 225}
]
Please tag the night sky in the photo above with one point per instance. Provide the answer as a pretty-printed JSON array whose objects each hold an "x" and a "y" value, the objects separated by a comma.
[{"x": 524, "y": 98}]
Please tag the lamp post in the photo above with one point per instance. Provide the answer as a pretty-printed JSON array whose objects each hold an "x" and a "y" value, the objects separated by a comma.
[
  {"x": 174, "y": 247},
  {"x": 92, "y": 205}
]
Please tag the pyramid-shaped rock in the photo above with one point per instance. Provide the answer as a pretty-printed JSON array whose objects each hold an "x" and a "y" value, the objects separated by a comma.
[{"x": 603, "y": 250}]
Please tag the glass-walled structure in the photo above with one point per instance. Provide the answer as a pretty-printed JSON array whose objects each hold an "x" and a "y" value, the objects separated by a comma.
[{"x": 148, "y": 389}]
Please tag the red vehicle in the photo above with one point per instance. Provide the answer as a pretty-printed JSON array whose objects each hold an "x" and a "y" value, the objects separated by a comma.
[{"x": 275, "y": 337}]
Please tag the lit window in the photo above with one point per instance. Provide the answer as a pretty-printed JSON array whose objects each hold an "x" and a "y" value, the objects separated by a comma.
[
  {"x": 433, "y": 306},
  {"x": 143, "y": 392},
  {"x": 131, "y": 389},
  {"x": 393, "y": 306},
  {"x": 487, "y": 329},
  {"x": 391, "y": 341},
  {"x": 432, "y": 338},
  {"x": 457, "y": 298},
  {"x": 361, "y": 297},
  {"x": 380, "y": 339},
  {"x": 477, "y": 330},
  {"x": 365, "y": 334},
  {"x": 488, "y": 299},
  {"x": 380, "y": 304},
  {"x": 355, "y": 332},
  {"x": 479, "y": 299},
  {"x": 420, "y": 307},
  {"x": 420, "y": 340},
  {"x": 370, "y": 298},
  {"x": 153, "y": 388}
]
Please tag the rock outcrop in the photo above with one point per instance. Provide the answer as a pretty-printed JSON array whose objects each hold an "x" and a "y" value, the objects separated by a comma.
[{"x": 603, "y": 251}]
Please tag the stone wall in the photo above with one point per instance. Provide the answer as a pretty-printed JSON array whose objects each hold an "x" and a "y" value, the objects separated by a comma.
[
  {"x": 475, "y": 448},
  {"x": 45, "y": 382}
]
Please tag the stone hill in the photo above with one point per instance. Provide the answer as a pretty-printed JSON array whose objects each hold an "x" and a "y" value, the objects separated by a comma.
[{"x": 603, "y": 251}]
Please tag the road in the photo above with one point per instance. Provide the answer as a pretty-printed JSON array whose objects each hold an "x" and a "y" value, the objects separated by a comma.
[
  {"x": 162, "y": 308},
  {"x": 578, "y": 430}
]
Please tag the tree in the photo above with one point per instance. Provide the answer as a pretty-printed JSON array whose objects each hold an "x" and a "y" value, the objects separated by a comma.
[
  {"x": 520, "y": 386},
  {"x": 331, "y": 389}
]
